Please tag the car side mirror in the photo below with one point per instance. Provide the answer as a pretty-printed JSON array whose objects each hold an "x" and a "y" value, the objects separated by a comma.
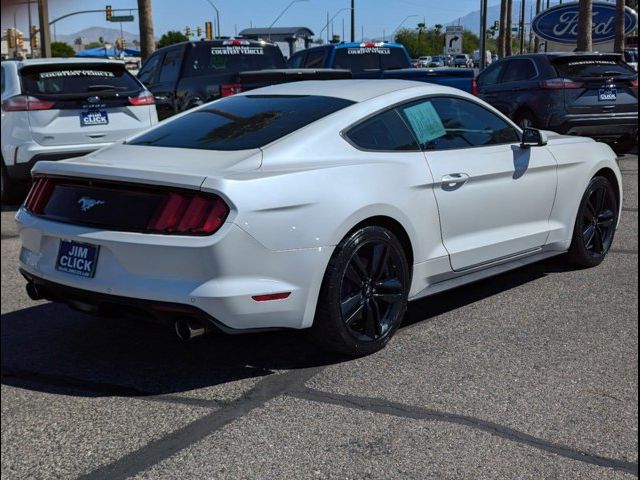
[{"x": 532, "y": 137}]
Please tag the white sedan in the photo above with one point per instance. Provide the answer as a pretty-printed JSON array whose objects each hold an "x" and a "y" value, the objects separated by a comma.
[{"x": 313, "y": 205}]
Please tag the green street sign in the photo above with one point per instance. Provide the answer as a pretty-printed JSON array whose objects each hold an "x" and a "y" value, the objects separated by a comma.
[{"x": 121, "y": 18}]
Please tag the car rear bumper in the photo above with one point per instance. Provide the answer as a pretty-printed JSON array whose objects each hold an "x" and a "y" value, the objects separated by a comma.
[
  {"x": 217, "y": 276},
  {"x": 596, "y": 125}
]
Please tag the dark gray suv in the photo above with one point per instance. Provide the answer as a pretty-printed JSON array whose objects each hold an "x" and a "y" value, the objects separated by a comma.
[{"x": 590, "y": 94}]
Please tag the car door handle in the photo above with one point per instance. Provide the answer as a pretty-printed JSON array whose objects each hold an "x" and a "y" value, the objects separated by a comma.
[{"x": 454, "y": 180}]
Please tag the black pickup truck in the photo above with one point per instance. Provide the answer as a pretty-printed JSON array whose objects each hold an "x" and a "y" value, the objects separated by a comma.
[{"x": 188, "y": 74}]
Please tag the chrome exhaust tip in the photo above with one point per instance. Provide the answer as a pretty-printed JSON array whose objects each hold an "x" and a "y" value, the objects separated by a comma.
[
  {"x": 33, "y": 292},
  {"x": 188, "y": 329}
]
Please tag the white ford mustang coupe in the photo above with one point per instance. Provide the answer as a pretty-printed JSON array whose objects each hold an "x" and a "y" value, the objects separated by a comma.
[{"x": 322, "y": 205}]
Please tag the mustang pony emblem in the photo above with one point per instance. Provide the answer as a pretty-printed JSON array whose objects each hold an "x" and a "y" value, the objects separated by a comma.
[{"x": 87, "y": 203}]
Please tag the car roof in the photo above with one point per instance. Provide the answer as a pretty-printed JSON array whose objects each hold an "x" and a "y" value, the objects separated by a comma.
[{"x": 354, "y": 90}]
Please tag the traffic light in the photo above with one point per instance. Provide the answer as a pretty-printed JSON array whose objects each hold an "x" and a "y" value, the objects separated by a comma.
[
  {"x": 187, "y": 31},
  {"x": 20, "y": 40},
  {"x": 199, "y": 32},
  {"x": 11, "y": 38},
  {"x": 34, "y": 31},
  {"x": 208, "y": 30},
  {"x": 108, "y": 12},
  {"x": 34, "y": 42}
]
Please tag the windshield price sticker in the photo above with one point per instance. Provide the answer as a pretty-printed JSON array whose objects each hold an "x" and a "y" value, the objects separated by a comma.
[
  {"x": 368, "y": 50},
  {"x": 76, "y": 73},
  {"x": 425, "y": 122},
  {"x": 237, "y": 50}
]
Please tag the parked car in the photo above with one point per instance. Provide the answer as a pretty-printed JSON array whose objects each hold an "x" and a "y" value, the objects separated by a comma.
[
  {"x": 631, "y": 57},
  {"x": 462, "y": 60},
  {"x": 591, "y": 94},
  {"x": 60, "y": 108},
  {"x": 476, "y": 58},
  {"x": 243, "y": 214},
  {"x": 376, "y": 60},
  {"x": 188, "y": 74},
  {"x": 424, "y": 62},
  {"x": 437, "y": 62}
]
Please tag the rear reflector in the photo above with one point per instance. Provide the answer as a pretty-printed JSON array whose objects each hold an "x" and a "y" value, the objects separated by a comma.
[
  {"x": 23, "y": 103},
  {"x": 145, "y": 98},
  {"x": 271, "y": 296},
  {"x": 560, "y": 84},
  {"x": 228, "y": 89}
]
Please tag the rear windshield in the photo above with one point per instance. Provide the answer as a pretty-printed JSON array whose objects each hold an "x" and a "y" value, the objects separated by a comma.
[
  {"x": 211, "y": 60},
  {"x": 363, "y": 59},
  {"x": 241, "y": 122},
  {"x": 582, "y": 67},
  {"x": 77, "y": 78}
]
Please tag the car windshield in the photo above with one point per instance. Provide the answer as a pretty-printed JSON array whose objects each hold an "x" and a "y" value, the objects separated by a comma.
[
  {"x": 241, "y": 122},
  {"x": 585, "y": 67},
  {"x": 77, "y": 78},
  {"x": 207, "y": 59}
]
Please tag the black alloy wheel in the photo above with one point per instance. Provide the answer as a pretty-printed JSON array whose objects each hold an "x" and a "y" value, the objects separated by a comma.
[
  {"x": 596, "y": 224},
  {"x": 372, "y": 291},
  {"x": 364, "y": 292}
]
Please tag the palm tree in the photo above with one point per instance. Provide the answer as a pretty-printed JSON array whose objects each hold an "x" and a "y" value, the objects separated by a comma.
[
  {"x": 503, "y": 26},
  {"x": 585, "y": 26},
  {"x": 619, "y": 40},
  {"x": 536, "y": 44}
]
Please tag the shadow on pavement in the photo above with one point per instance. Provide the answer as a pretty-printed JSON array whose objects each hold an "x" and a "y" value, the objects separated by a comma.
[{"x": 50, "y": 348}]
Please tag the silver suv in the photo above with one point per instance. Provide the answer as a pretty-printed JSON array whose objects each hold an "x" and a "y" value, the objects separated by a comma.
[{"x": 60, "y": 108}]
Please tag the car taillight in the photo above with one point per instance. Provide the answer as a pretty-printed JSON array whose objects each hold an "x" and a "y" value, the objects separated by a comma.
[
  {"x": 474, "y": 87},
  {"x": 560, "y": 84},
  {"x": 23, "y": 103},
  {"x": 145, "y": 98},
  {"x": 39, "y": 195},
  {"x": 189, "y": 214},
  {"x": 228, "y": 89}
]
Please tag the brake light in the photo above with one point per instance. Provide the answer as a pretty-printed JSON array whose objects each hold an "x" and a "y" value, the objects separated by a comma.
[
  {"x": 560, "y": 84},
  {"x": 39, "y": 195},
  {"x": 23, "y": 103},
  {"x": 474, "y": 86},
  {"x": 228, "y": 89},
  {"x": 145, "y": 98},
  {"x": 371, "y": 44},
  {"x": 189, "y": 214},
  {"x": 235, "y": 42}
]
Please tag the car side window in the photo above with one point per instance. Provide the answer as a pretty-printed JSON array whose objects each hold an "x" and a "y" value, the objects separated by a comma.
[
  {"x": 383, "y": 132},
  {"x": 445, "y": 123},
  {"x": 297, "y": 60},
  {"x": 171, "y": 66},
  {"x": 148, "y": 72},
  {"x": 518, "y": 70},
  {"x": 315, "y": 59},
  {"x": 491, "y": 75}
]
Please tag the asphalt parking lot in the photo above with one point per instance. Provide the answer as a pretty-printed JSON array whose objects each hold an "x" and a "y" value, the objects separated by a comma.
[{"x": 532, "y": 374}]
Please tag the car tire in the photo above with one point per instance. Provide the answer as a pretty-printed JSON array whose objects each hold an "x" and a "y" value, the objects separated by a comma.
[
  {"x": 10, "y": 190},
  {"x": 364, "y": 293},
  {"x": 624, "y": 144},
  {"x": 595, "y": 225}
]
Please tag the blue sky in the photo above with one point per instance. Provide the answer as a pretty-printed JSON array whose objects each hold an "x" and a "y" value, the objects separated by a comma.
[{"x": 375, "y": 15}]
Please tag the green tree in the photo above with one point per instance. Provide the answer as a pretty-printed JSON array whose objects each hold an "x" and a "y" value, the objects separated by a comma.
[
  {"x": 171, "y": 37},
  {"x": 94, "y": 45},
  {"x": 61, "y": 49}
]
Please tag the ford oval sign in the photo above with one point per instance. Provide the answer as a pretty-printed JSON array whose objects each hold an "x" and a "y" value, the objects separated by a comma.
[{"x": 560, "y": 23}]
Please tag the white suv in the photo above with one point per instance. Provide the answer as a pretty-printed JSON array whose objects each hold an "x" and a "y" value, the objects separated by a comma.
[{"x": 60, "y": 108}]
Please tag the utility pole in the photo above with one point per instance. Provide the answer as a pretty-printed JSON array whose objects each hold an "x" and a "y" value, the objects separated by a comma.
[
  {"x": 353, "y": 20},
  {"x": 585, "y": 26},
  {"x": 45, "y": 38},
  {"x": 508, "y": 48},
  {"x": 536, "y": 41},
  {"x": 521, "y": 25},
  {"x": 145, "y": 22},
  {"x": 502, "y": 32},
  {"x": 483, "y": 34}
]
